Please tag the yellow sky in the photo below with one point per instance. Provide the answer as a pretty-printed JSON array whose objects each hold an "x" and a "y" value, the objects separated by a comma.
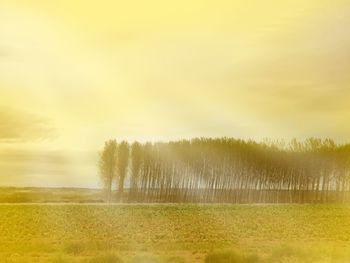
[{"x": 74, "y": 73}]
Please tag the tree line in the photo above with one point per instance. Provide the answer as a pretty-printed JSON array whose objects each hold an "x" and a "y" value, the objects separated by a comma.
[{"x": 226, "y": 170}]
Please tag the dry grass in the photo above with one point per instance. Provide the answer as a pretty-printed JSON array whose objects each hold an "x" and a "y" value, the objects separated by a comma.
[{"x": 174, "y": 233}]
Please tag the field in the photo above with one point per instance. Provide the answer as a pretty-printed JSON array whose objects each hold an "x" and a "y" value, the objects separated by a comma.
[
  {"x": 50, "y": 195},
  {"x": 174, "y": 233}
]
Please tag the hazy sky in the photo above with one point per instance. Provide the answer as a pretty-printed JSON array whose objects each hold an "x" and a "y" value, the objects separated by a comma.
[{"x": 74, "y": 73}]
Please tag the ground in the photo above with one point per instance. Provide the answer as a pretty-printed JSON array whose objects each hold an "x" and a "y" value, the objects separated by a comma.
[{"x": 173, "y": 233}]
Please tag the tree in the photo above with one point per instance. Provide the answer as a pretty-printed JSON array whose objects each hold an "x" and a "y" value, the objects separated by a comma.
[
  {"x": 136, "y": 161},
  {"x": 236, "y": 171},
  {"x": 108, "y": 166},
  {"x": 122, "y": 164}
]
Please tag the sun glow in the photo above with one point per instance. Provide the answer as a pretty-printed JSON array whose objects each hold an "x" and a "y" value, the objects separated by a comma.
[{"x": 75, "y": 73}]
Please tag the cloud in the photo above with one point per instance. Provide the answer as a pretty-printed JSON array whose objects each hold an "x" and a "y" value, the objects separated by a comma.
[
  {"x": 20, "y": 126},
  {"x": 32, "y": 167}
]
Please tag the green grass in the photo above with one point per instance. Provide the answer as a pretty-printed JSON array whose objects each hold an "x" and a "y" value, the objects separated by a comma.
[{"x": 174, "y": 233}]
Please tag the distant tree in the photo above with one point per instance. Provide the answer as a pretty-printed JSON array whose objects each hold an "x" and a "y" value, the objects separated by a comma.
[
  {"x": 233, "y": 170},
  {"x": 108, "y": 166},
  {"x": 122, "y": 164},
  {"x": 136, "y": 161}
]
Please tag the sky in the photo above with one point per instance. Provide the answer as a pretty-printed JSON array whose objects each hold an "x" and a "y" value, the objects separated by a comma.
[{"x": 76, "y": 73}]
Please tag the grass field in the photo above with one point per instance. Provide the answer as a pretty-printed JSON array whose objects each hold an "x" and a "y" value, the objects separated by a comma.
[{"x": 174, "y": 233}]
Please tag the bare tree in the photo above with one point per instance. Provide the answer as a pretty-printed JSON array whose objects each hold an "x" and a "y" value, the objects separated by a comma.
[
  {"x": 122, "y": 164},
  {"x": 236, "y": 171},
  {"x": 136, "y": 162},
  {"x": 108, "y": 166}
]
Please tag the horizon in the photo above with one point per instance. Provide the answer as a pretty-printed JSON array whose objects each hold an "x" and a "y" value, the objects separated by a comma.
[{"x": 97, "y": 184}]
